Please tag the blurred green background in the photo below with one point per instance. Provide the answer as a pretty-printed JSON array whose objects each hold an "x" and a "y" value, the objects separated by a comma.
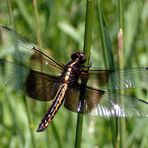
[{"x": 58, "y": 27}]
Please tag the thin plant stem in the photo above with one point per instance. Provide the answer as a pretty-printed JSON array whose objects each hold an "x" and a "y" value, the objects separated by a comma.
[
  {"x": 109, "y": 62},
  {"x": 56, "y": 134},
  {"x": 10, "y": 12},
  {"x": 120, "y": 11},
  {"x": 105, "y": 39},
  {"x": 24, "y": 12},
  {"x": 37, "y": 24},
  {"x": 121, "y": 65},
  {"x": 120, "y": 61},
  {"x": 12, "y": 22},
  {"x": 30, "y": 122},
  {"x": 88, "y": 29},
  {"x": 39, "y": 42},
  {"x": 86, "y": 50}
]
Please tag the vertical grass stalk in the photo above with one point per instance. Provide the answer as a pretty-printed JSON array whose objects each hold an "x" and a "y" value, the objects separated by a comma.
[
  {"x": 120, "y": 54},
  {"x": 86, "y": 50},
  {"x": 37, "y": 24},
  {"x": 108, "y": 60},
  {"x": 27, "y": 111},
  {"x": 10, "y": 12}
]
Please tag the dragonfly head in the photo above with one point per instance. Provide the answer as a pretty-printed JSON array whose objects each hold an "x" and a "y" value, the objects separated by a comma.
[{"x": 80, "y": 56}]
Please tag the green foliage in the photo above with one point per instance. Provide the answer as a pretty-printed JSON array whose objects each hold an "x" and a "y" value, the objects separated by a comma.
[{"x": 61, "y": 26}]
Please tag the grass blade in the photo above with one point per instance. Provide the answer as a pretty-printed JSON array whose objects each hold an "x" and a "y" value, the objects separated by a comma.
[{"x": 86, "y": 50}]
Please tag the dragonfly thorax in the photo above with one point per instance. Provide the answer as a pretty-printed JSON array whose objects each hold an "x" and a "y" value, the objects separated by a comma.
[{"x": 72, "y": 69}]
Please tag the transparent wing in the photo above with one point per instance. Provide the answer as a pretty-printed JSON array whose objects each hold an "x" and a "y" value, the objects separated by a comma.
[
  {"x": 117, "y": 78},
  {"x": 36, "y": 85},
  {"x": 15, "y": 48},
  {"x": 102, "y": 103}
]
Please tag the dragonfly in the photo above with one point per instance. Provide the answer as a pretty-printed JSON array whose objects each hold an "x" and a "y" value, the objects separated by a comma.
[{"x": 44, "y": 79}]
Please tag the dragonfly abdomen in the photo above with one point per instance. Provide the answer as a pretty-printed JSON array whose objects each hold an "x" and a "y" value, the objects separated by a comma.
[
  {"x": 59, "y": 98},
  {"x": 70, "y": 73}
]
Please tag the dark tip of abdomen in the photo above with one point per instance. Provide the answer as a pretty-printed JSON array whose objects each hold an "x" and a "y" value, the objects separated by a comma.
[{"x": 41, "y": 128}]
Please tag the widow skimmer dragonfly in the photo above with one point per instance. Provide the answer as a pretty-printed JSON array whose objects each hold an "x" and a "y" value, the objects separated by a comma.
[{"x": 42, "y": 78}]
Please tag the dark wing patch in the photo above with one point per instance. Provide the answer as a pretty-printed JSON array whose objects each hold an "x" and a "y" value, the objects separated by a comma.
[
  {"x": 41, "y": 86},
  {"x": 101, "y": 103},
  {"x": 35, "y": 84},
  {"x": 91, "y": 99}
]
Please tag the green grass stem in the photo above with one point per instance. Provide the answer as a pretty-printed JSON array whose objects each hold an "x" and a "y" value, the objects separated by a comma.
[
  {"x": 108, "y": 60},
  {"x": 86, "y": 50},
  {"x": 13, "y": 114},
  {"x": 120, "y": 53}
]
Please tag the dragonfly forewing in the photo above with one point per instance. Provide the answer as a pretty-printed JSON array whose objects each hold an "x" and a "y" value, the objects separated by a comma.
[{"x": 16, "y": 49}]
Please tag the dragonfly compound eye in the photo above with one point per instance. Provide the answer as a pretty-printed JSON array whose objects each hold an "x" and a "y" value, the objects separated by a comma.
[{"x": 78, "y": 55}]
